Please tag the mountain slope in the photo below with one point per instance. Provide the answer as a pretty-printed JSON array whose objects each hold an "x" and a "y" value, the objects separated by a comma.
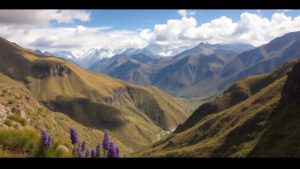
[
  {"x": 134, "y": 114},
  {"x": 263, "y": 59},
  {"x": 193, "y": 68},
  {"x": 253, "y": 126},
  {"x": 284, "y": 126},
  {"x": 237, "y": 93}
]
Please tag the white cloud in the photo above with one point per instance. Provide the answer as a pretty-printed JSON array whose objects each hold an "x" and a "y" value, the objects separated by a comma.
[
  {"x": 35, "y": 32},
  {"x": 42, "y": 16},
  {"x": 259, "y": 13},
  {"x": 182, "y": 12},
  {"x": 75, "y": 39},
  {"x": 251, "y": 28},
  {"x": 185, "y": 13}
]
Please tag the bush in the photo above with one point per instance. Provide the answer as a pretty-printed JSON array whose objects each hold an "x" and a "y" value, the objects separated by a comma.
[
  {"x": 19, "y": 119},
  {"x": 23, "y": 141},
  {"x": 8, "y": 123}
]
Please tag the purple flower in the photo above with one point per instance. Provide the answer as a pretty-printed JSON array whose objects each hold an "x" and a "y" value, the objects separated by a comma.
[
  {"x": 93, "y": 154},
  {"x": 74, "y": 136},
  {"x": 106, "y": 141},
  {"x": 98, "y": 151},
  {"x": 46, "y": 140},
  {"x": 117, "y": 152},
  {"x": 111, "y": 151}
]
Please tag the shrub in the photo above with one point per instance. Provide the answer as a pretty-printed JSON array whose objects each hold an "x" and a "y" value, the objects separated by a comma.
[
  {"x": 23, "y": 141},
  {"x": 8, "y": 123},
  {"x": 19, "y": 119}
]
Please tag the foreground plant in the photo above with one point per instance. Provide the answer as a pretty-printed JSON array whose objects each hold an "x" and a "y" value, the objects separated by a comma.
[
  {"x": 110, "y": 150},
  {"x": 46, "y": 139}
]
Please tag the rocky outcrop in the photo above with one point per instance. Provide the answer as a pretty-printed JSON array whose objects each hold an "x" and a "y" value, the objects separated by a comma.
[
  {"x": 42, "y": 69},
  {"x": 291, "y": 90}
]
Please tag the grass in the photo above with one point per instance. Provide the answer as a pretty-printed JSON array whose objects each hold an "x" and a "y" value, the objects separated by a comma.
[
  {"x": 8, "y": 123},
  {"x": 19, "y": 119},
  {"x": 27, "y": 143}
]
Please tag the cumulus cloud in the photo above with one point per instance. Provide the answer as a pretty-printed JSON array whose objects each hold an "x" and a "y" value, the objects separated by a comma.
[
  {"x": 251, "y": 28},
  {"x": 182, "y": 12},
  {"x": 35, "y": 32},
  {"x": 76, "y": 39},
  {"x": 42, "y": 16},
  {"x": 185, "y": 13}
]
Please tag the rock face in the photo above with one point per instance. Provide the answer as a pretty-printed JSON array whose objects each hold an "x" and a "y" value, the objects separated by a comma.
[
  {"x": 46, "y": 69},
  {"x": 291, "y": 90}
]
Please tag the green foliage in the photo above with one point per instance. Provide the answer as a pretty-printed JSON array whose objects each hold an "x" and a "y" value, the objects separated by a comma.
[
  {"x": 8, "y": 123},
  {"x": 25, "y": 141},
  {"x": 19, "y": 119}
]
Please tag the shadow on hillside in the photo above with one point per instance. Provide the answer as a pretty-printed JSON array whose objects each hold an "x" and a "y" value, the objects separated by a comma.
[{"x": 88, "y": 113}]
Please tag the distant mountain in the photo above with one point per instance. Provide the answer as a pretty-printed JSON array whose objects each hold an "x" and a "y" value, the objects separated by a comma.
[
  {"x": 172, "y": 74},
  {"x": 66, "y": 55},
  {"x": 256, "y": 117},
  {"x": 46, "y": 53},
  {"x": 94, "y": 55},
  {"x": 191, "y": 73},
  {"x": 152, "y": 51}
]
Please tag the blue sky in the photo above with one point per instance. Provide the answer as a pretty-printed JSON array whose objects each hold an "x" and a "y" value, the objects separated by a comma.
[{"x": 135, "y": 19}]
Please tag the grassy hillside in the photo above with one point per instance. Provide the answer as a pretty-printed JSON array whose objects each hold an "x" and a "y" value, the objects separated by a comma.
[
  {"x": 20, "y": 110},
  {"x": 134, "y": 114},
  {"x": 238, "y": 92},
  {"x": 257, "y": 125}
]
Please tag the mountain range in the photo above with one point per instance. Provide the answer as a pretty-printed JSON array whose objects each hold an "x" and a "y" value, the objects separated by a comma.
[
  {"x": 175, "y": 75},
  {"x": 203, "y": 71}
]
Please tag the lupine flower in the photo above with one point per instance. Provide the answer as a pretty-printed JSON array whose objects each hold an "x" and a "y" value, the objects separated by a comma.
[
  {"x": 93, "y": 153},
  {"x": 106, "y": 141},
  {"x": 117, "y": 152},
  {"x": 111, "y": 150},
  {"x": 98, "y": 150},
  {"x": 74, "y": 136},
  {"x": 46, "y": 139},
  {"x": 83, "y": 146}
]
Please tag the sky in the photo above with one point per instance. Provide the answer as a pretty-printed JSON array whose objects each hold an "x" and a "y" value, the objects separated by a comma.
[{"x": 78, "y": 31}]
